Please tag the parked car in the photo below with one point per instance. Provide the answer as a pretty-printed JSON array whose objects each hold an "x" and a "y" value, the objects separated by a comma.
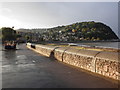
[{"x": 10, "y": 45}]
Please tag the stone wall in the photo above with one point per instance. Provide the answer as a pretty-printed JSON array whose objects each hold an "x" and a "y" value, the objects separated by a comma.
[
  {"x": 103, "y": 63},
  {"x": 45, "y": 50},
  {"x": 59, "y": 52},
  {"x": 107, "y": 64},
  {"x": 81, "y": 58}
]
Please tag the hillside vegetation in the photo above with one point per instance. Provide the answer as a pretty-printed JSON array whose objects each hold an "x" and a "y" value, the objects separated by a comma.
[{"x": 81, "y": 31}]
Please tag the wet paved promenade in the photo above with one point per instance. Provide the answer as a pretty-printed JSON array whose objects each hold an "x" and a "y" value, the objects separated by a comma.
[{"x": 24, "y": 68}]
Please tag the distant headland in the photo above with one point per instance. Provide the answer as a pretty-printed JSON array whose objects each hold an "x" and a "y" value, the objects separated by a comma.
[{"x": 82, "y": 31}]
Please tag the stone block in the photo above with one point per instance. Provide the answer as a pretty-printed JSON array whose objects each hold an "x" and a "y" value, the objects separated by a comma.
[
  {"x": 108, "y": 62},
  {"x": 58, "y": 53}
]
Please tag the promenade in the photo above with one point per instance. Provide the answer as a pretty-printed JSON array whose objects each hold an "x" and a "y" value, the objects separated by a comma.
[{"x": 24, "y": 68}]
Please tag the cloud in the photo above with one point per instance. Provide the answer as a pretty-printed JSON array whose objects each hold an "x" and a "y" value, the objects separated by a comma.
[
  {"x": 5, "y": 11},
  {"x": 8, "y": 22}
]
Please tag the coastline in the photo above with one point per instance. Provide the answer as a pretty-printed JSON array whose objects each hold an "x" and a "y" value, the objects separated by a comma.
[
  {"x": 85, "y": 47},
  {"x": 85, "y": 43}
]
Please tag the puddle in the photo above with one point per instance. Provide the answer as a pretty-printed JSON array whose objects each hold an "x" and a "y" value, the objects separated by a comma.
[
  {"x": 21, "y": 57},
  {"x": 17, "y": 68},
  {"x": 7, "y": 68},
  {"x": 25, "y": 65}
]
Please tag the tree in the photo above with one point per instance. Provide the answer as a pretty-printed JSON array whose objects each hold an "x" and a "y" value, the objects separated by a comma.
[
  {"x": 8, "y": 34},
  {"x": 27, "y": 37}
]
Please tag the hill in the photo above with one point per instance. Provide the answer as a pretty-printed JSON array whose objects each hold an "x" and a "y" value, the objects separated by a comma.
[{"x": 81, "y": 31}]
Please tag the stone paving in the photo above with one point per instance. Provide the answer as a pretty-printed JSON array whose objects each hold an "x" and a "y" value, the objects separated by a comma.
[{"x": 24, "y": 68}]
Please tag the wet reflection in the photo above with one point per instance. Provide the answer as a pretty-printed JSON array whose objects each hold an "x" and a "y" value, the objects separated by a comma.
[
  {"x": 8, "y": 57},
  {"x": 15, "y": 61}
]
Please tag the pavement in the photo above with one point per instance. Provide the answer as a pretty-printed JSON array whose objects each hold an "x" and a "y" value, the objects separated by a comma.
[{"x": 24, "y": 68}]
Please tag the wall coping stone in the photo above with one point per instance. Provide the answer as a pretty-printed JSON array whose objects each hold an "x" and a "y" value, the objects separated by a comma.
[
  {"x": 72, "y": 51},
  {"x": 61, "y": 49},
  {"x": 87, "y": 53},
  {"x": 112, "y": 56}
]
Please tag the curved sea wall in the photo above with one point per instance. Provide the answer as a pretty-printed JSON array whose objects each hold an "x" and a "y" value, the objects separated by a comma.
[{"x": 100, "y": 62}]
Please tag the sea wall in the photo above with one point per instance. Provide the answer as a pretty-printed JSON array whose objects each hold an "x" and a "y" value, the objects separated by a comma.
[{"x": 100, "y": 62}]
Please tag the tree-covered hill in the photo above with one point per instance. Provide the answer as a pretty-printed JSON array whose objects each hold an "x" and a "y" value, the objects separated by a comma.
[{"x": 81, "y": 31}]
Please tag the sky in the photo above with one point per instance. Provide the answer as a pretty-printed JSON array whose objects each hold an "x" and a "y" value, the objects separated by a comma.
[{"x": 52, "y": 14}]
